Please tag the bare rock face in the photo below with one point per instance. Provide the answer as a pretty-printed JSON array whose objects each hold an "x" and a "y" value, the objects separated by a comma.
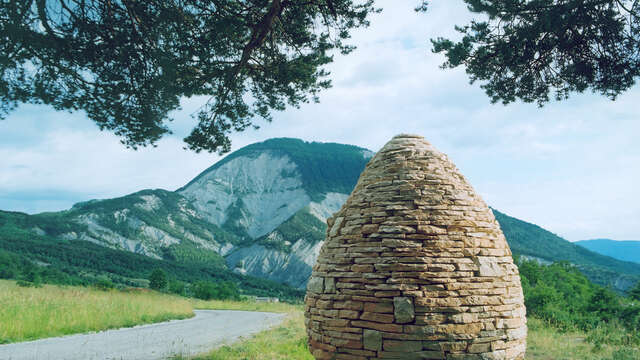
[{"x": 415, "y": 266}]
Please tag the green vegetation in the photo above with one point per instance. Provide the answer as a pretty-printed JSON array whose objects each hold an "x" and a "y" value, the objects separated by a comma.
[
  {"x": 316, "y": 161},
  {"x": 28, "y": 313},
  {"x": 566, "y": 300},
  {"x": 545, "y": 342},
  {"x": 531, "y": 240},
  {"x": 302, "y": 225},
  {"x": 158, "y": 279},
  {"x": 245, "y": 305},
  {"x": 635, "y": 292},
  {"x": 521, "y": 50},
  {"x": 222, "y": 290},
  {"x": 25, "y": 255},
  {"x": 249, "y": 58}
]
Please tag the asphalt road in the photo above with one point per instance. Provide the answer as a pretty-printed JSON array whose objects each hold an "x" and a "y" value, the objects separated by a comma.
[{"x": 207, "y": 330}]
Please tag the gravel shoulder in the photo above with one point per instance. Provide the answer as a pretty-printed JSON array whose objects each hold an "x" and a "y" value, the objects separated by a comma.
[{"x": 206, "y": 331}]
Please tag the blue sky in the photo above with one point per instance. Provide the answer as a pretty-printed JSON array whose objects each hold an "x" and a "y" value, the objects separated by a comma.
[{"x": 570, "y": 167}]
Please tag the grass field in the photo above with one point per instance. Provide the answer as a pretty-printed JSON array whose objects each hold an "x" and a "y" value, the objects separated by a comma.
[{"x": 33, "y": 313}]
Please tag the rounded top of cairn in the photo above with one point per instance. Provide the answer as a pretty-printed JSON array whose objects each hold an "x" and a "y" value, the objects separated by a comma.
[{"x": 414, "y": 265}]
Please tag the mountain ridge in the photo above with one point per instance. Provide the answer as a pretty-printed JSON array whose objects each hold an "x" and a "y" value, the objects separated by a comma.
[{"x": 262, "y": 211}]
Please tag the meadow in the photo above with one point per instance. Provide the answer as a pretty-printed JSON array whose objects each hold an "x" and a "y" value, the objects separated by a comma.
[{"x": 28, "y": 313}]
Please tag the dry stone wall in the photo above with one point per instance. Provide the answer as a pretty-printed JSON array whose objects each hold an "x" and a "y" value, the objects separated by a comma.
[{"x": 414, "y": 266}]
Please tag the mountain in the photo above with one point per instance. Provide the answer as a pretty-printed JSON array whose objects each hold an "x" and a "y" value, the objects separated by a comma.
[
  {"x": 621, "y": 250},
  {"x": 81, "y": 262},
  {"x": 530, "y": 240},
  {"x": 276, "y": 197},
  {"x": 261, "y": 211}
]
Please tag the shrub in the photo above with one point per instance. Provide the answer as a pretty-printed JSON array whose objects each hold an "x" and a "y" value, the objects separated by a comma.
[
  {"x": 178, "y": 287},
  {"x": 222, "y": 291},
  {"x": 104, "y": 284},
  {"x": 158, "y": 279}
]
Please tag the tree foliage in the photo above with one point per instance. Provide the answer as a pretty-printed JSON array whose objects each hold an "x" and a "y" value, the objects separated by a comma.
[
  {"x": 566, "y": 299},
  {"x": 128, "y": 63},
  {"x": 220, "y": 290},
  {"x": 158, "y": 279},
  {"x": 635, "y": 292},
  {"x": 534, "y": 49}
]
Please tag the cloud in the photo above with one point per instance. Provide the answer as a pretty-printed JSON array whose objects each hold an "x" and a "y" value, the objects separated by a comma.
[{"x": 570, "y": 167}]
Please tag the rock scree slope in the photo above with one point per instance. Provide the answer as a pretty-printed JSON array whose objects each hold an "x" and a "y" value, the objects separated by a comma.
[{"x": 414, "y": 266}]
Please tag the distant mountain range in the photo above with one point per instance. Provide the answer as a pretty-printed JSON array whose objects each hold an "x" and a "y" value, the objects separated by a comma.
[
  {"x": 622, "y": 250},
  {"x": 260, "y": 211}
]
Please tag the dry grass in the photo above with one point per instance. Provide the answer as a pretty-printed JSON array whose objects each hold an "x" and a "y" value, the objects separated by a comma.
[
  {"x": 546, "y": 343},
  {"x": 33, "y": 313},
  {"x": 244, "y": 305}
]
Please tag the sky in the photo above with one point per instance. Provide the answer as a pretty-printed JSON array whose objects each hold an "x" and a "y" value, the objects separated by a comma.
[{"x": 572, "y": 167}]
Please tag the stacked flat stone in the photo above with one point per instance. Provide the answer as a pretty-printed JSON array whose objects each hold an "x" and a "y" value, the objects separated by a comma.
[{"x": 414, "y": 266}]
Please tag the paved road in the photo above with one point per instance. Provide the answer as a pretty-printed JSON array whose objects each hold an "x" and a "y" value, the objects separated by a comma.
[{"x": 207, "y": 330}]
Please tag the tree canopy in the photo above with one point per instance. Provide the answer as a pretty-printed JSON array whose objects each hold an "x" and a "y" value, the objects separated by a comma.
[
  {"x": 128, "y": 63},
  {"x": 535, "y": 50}
]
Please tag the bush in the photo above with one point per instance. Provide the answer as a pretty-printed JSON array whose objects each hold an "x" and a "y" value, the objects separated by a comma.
[
  {"x": 635, "y": 292},
  {"x": 178, "y": 287},
  {"x": 32, "y": 275},
  {"x": 158, "y": 279},
  {"x": 104, "y": 284},
  {"x": 24, "y": 283},
  {"x": 222, "y": 291}
]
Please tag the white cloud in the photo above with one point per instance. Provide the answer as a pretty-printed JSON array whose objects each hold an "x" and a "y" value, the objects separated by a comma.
[{"x": 570, "y": 167}]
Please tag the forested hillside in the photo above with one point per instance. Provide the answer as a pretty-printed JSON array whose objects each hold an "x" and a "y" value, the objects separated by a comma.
[
  {"x": 28, "y": 256},
  {"x": 531, "y": 240}
]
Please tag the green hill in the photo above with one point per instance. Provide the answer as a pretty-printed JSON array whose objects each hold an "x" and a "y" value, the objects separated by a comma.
[
  {"x": 531, "y": 240},
  {"x": 81, "y": 262}
]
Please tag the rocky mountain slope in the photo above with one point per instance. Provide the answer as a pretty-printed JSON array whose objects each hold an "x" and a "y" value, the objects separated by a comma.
[{"x": 262, "y": 211}]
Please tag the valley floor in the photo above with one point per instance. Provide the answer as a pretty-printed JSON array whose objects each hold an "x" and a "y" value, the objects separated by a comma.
[{"x": 34, "y": 313}]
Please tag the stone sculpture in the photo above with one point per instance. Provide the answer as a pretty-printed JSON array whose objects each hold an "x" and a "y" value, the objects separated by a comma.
[{"x": 414, "y": 266}]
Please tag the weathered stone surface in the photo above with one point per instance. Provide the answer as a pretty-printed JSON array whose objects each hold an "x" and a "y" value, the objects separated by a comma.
[
  {"x": 316, "y": 285},
  {"x": 403, "y": 310},
  {"x": 372, "y": 339},
  {"x": 414, "y": 266}
]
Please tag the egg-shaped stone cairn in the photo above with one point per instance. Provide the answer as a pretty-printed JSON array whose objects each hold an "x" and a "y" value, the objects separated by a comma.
[{"x": 414, "y": 266}]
